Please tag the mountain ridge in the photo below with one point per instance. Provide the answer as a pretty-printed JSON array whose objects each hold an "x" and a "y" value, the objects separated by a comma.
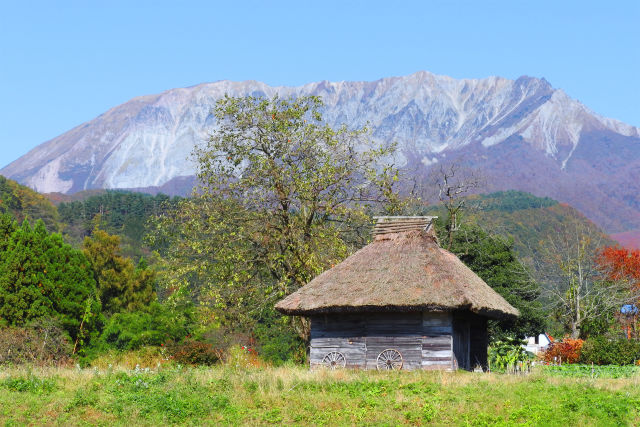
[{"x": 501, "y": 126}]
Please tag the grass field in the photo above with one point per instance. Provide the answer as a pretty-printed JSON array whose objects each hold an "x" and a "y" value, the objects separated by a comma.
[{"x": 293, "y": 395}]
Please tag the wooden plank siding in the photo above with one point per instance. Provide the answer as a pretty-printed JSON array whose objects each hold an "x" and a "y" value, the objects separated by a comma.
[
  {"x": 425, "y": 340},
  {"x": 437, "y": 342},
  {"x": 342, "y": 333},
  {"x": 410, "y": 347},
  {"x": 354, "y": 351},
  {"x": 399, "y": 331}
]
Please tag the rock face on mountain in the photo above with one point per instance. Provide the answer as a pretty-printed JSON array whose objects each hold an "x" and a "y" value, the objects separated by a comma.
[{"x": 520, "y": 134}]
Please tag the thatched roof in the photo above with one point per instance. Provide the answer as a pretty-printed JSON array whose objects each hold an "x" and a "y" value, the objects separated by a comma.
[{"x": 399, "y": 271}]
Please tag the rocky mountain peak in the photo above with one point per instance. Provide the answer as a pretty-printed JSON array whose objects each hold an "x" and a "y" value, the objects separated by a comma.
[{"x": 147, "y": 140}]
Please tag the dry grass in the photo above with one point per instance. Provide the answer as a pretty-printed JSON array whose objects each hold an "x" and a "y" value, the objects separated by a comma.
[{"x": 295, "y": 395}]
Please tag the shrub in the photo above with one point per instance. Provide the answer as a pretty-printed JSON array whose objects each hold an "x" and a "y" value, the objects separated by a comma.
[
  {"x": 272, "y": 337},
  {"x": 242, "y": 357},
  {"x": 194, "y": 353},
  {"x": 507, "y": 354},
  {"x": 30, "y": 384},
  {"x": 603, "y": 351},
  {"x": 145, "y": 357},
  {"x": 222, "y": 337},
  {"x": 42, "y": 342},
  {"x": 565, "y": 351},
  {"x": 277, "y": 341},
  {"x": 155, "y": 325}
]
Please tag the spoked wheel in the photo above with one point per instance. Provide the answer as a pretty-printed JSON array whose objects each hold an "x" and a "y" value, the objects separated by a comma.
[
  {"x": 334, "y": 360},
  {"x": 389, "y": 359}
]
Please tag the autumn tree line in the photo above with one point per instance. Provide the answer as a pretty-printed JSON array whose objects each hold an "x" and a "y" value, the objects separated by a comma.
[{"x": 281, "y": 197}]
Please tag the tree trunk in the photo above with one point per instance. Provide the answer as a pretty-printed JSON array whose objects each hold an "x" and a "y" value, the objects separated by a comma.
[
  {"x": 575, "y": 330},
  {"x": 452, "y": 222}
]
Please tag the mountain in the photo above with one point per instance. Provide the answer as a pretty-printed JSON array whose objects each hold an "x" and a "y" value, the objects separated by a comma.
[
  {"x": 628, "y": 239},
  {"x": 520, "y": 134}
]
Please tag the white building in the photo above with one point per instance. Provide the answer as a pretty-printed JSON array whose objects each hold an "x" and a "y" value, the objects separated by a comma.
[{"x": 538, "y": 343}]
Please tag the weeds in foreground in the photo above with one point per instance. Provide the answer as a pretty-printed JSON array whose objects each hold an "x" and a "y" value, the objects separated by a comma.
[{"x": 227, "y": 395}]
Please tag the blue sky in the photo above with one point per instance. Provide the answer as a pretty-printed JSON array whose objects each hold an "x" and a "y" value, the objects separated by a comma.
[{"x": 63, "y": 63}]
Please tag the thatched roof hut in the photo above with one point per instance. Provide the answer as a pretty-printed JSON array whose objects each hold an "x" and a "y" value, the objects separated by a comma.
[
  {"x": 398, "y": 271},
  {"x": 403, "y": 284}
]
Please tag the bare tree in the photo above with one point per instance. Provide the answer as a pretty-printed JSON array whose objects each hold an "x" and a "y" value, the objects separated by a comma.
[
  {"x": 578, "y": 290},
  {"x": 454, "y": 182}
]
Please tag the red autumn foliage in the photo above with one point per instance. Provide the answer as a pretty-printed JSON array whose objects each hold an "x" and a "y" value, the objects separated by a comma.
[
  {"x": 620, "y": 263},
  {"x": 566, "y": 351}
]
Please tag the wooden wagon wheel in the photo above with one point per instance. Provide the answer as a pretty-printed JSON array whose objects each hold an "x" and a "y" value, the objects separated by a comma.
[
  {"x": 334, "y": 360},
  {"x": 389, "y": 359}
]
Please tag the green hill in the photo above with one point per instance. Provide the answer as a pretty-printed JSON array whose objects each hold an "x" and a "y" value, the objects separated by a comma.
[
  {"x": 23, "y": 203},
  {"x": 526, "y": 220},
  {"x": 120, "y": 212}
]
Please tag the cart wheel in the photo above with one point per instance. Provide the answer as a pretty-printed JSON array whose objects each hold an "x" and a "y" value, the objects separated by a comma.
[{"x": 389, "y": 359}]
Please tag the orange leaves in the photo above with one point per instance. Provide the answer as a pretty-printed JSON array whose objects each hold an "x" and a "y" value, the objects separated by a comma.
[
  {"x": 620, "y": 263},
  {"x": 568, "y": 351}
]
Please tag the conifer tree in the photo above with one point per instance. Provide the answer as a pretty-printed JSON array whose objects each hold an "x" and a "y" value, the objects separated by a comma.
[
  {"x": 495, "y": 261},
  {"x": 41, "y": 276},
  {"x": 121, "y": 286},
  {"x": 7, "y": 227}
]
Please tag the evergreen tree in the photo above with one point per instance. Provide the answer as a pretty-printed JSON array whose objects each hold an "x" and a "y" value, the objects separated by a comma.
[
  {"x": 7, "y": 227},
  {"x": 25, "y": 288},
  {"x": 75, "y": 291},
  {"x": 41, "y": 276},
  {"x": 494, "y": 260},
  {"x": 121, "y": 286}
]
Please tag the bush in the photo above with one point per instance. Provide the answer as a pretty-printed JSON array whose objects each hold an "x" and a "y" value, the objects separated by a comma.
[
  {"x": 603, "y": 351},
  {"x": 508, "y": 355},
  {"x": 191, "y": 352},
  {"x": 242, "y": 357},
  {"x": 223, "y": 338},
  {"x": 566, "y": 351},
  {"x": 145, "y": 357},
  {"x": 155, "y": 325},
  {"x": 277, "y": 341},
  {"x": 42, "y": 342},
  {"x": 272, "y": 337}
]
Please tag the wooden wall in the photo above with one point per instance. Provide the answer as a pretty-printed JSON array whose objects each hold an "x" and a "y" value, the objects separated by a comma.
[
  {"x": 425, "y": 340},
  {"x": 339, "y": 332},
  {"x": 401, "y": 331},
  {"x": 437, "y": 341}
]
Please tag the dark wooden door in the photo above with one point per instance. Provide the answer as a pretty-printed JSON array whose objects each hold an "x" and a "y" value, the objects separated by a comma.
[{"x": 461, "y": 341}]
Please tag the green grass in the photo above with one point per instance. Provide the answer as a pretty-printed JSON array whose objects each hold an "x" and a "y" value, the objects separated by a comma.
[
  {"x": 293, "y": 395},
  {"x": 592, "y": 371}
]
